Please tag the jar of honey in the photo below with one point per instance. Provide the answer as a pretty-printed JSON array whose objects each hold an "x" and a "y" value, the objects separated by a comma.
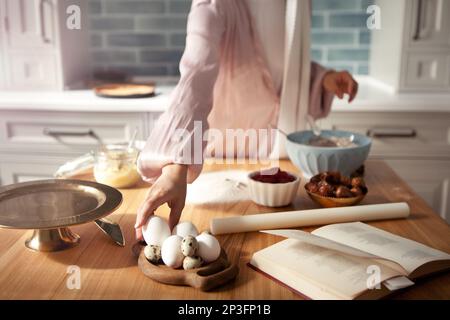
[{"x": 116, "y": 166}]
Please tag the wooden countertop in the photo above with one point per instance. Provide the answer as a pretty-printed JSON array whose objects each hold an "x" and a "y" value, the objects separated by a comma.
[{"x": 111, "y": 272}]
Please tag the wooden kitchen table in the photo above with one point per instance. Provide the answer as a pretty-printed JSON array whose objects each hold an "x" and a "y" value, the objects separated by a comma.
[{"x": 111, "y": 272}]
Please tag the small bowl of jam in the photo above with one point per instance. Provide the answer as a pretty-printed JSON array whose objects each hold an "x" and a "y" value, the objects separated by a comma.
[{"x": 273, "y": 187}]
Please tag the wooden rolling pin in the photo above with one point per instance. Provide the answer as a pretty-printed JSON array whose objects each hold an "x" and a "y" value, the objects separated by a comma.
[{"x": 303, "y": 218}]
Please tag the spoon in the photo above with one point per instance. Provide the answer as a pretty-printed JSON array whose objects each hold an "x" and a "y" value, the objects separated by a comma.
[
  {"x": 281, "y": 131},
  {"x": 314, "y": 127},
  {"x": 133, "y": 139},
  {"x": 111, "y": 229}
]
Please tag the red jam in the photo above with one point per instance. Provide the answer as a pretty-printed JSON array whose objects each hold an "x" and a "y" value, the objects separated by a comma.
[{"x": 273, "y": 175}]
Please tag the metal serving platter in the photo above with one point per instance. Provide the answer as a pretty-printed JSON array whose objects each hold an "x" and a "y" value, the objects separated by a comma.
[{"x": 47, "y": 205}]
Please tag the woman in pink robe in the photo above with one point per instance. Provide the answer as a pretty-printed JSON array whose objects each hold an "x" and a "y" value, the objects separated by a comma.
[{"x": 224, "y": 84}]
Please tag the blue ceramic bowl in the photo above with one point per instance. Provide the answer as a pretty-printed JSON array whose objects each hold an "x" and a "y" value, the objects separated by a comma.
[{"x": 311, "y": 160}]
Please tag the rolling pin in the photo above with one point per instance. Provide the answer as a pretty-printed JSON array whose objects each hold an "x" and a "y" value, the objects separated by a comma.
[{"x": 303, "y": 218}]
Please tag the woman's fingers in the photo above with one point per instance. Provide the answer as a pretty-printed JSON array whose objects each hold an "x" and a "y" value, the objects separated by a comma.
[
  {"x": 147, "y": 209},
  {"x": 350, "y": 83},
  {"x": 175, "y": 214},
  {"x": 143, "y": 213},
  {"x": 349, "y": 86},
  {"x": 340, "y": 89},
  {"x": 139, "y": 236},
  {"x": 354, "y": 91}
]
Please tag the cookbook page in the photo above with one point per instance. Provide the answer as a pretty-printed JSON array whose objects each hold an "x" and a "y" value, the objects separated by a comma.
[
  {"x": 343, "y": 275},
  {"x": 408, "y": 253},
  {"x": 320, "y": 241}
]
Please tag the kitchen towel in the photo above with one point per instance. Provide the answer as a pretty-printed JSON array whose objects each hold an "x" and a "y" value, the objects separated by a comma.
[
  {"x": 218, "y": 187},
  {"x": 297, "y": 68}
]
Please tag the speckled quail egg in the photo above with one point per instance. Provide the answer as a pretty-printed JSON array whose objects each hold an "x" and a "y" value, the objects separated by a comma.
[
  {"x": 184, "y": 229},
  {"x": 152, "y": 253},
  {"x": 192, "y": 262},
  {"x": 208, "y": 247},
  {"x": 189, "y": 246},
  {"x": 171, "y": 252},
  {"x": 156, "y": 231}
]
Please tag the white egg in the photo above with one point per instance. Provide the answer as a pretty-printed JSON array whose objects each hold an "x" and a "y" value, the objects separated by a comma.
[
  {"x": 156, "y": 231},
  {"x": 171, "y": 252},
  {"x": 208, "y": 247},
  {"x": 184, "y": 229}
]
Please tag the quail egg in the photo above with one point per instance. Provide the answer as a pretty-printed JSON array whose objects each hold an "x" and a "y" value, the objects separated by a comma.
[
  {"x": 192, "y": 262},
  {"x": 189, "y": 246},
  {"x": 152, "y": 253}
]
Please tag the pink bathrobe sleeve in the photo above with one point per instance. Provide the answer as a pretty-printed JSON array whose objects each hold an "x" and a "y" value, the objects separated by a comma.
[
  {"x": 174, "y": 134},
  {"x": 319, "y": 99},
  {"x": 175, "y": 137}
]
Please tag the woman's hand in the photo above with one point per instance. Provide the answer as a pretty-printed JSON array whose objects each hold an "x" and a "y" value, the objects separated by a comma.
[
  {"x": 169, "y": 188},
  {"x": 339, "y": 83}
]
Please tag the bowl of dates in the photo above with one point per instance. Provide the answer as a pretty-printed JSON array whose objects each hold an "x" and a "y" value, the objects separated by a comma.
[{"x": 331, "y": 189}]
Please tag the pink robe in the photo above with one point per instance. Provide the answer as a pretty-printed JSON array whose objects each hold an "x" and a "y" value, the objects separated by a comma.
[{"x": 224, "y": 84}]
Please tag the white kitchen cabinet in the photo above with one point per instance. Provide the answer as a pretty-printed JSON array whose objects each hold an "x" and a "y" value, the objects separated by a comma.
[
  {"x": 429, "y": 24},
  {"x": 34, "y": 144},
  {"x": 29, "y": 24},
  {"x": 426, "y": 70},
  {"x": 38, "y": 50},
  {"x": 38, "y": 132},
  {"x": 15, "y": 168},
  {"x": 430, "y": 179},
  {"x": 411, "y": 51},
  {"x": 22, "y": 172},
  {"x": 398, "y": 135},
  {"x": 30, "y": 70},
  {"x": 415, "y": 144}
]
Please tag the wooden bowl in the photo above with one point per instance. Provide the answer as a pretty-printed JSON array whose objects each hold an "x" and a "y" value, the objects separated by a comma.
[
  {"x": 331, "y": 202},
  {"x": 205, "y": 278}
]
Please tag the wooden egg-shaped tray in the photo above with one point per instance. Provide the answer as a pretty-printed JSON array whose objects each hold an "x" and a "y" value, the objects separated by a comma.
[{"x": 205, "y": 278}]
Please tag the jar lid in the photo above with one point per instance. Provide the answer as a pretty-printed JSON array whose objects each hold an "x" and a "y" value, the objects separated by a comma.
[{"x": 117, "y": 152}]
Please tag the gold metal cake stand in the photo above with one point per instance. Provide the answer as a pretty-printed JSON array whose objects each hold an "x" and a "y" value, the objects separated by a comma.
[{"x": 49, "y": 207}]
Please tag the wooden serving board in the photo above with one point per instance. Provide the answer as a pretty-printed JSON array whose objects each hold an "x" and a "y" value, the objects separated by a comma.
[
  {"x": 125, "y": 90},
  {"x": 206, "y": 278}
]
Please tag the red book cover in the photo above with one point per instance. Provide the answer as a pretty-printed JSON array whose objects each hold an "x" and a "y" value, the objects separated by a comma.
[{"x": 278, "y": 281}]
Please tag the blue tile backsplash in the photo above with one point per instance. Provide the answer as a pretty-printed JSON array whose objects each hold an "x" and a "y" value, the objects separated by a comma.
[
  {"x": 339, "y": 37},
  {"x": 146, "y": 37}
]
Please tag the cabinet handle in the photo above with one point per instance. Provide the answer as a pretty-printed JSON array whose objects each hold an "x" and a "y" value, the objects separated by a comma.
[
  {"x": 418, "y": 20},
  {"x": 392, "y": 133},
  {"x": 58, "y": 134},
  {"x": 41, "y": 18},
  {"x": 423, "y": 17}
]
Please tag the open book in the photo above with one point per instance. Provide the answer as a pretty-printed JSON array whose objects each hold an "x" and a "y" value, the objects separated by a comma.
[{"x": 346, "y": 261}]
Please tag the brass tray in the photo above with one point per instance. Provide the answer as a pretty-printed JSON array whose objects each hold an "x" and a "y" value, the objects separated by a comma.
[{"x": 50, "y": 206}]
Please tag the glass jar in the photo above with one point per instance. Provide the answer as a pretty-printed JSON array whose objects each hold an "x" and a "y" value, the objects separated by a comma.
[{"x": 116, "y": 166}]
